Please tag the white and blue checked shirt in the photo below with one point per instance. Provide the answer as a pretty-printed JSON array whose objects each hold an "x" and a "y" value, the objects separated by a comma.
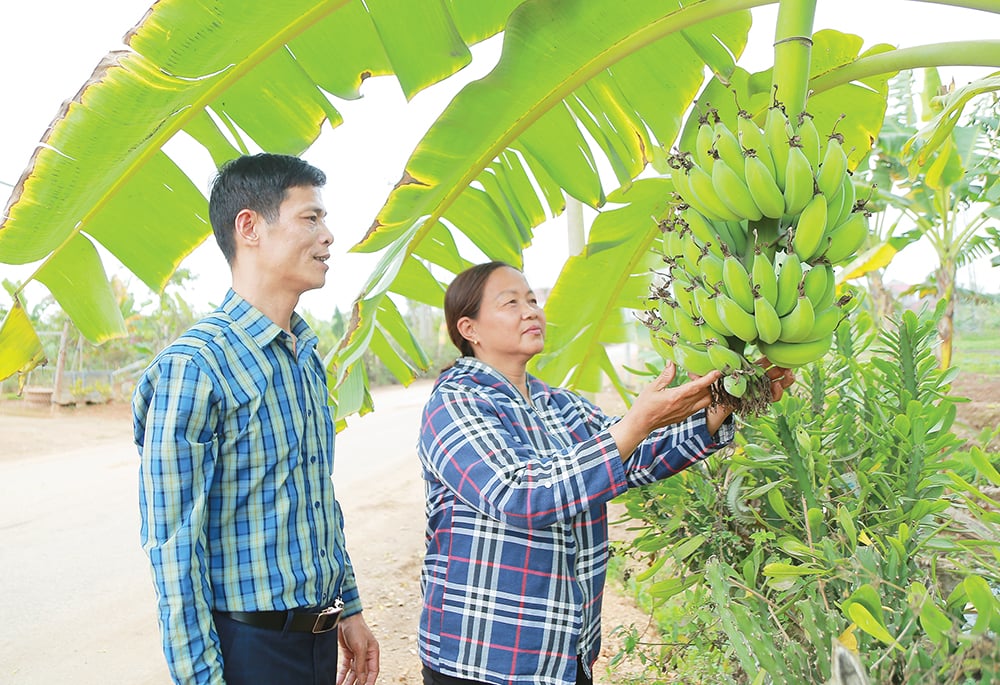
[
  {"x": 236, "y": 498},
  {"x": 517, "y": 530}
]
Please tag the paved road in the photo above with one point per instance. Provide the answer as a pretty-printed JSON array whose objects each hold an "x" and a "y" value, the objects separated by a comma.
[{"x": 76, "y": 599}]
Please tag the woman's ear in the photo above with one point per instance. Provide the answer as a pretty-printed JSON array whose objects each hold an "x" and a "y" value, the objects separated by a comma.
[{"x": 467, "y": 329}]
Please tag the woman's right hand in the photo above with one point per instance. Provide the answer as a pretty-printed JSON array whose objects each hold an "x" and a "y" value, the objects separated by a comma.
[{"x": 659, "y": 405}]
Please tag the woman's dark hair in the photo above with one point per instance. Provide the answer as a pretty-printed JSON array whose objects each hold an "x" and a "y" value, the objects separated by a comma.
[
  {"x": 257, "y": 182},
  {"x": 463, "y": 297}
]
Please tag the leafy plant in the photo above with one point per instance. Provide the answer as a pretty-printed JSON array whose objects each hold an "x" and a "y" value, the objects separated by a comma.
[
  {"x": 858, "y": 516},
  {"x": 496, "y": 164}
]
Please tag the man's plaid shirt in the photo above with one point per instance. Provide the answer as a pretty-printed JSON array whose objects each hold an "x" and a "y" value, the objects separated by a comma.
[{"x": 517, "y": 531}]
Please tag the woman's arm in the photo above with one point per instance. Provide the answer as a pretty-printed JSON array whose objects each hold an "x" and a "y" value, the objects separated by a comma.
[{"x": 469, "y": 444}]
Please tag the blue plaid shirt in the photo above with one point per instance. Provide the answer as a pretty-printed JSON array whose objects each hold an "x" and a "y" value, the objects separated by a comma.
[
  {"x": 236, "y": 498},
  {"x": 517, "y": 529}
]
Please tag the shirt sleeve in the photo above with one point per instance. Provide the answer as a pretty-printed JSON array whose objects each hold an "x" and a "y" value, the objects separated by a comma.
[
  {"x": 671, "y": 449},
  {"x": 476, "y": 454},
  {"x": 172, "y": 412},
  {"x": 349, "y": 586}
]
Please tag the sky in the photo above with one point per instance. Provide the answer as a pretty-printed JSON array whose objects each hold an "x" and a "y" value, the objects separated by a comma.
[{"x": 48, "y": 49}]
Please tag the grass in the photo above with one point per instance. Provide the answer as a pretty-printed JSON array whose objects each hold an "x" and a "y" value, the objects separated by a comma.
[{"x": 977, "y": 330}]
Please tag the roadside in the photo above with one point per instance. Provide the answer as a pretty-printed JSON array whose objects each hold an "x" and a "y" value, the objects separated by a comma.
[{"x": 69, "y": 543}]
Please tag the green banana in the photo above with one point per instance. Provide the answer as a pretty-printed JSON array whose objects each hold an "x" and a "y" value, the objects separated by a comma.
[
  {"x": 705, "y": 302},
  {"x": 820, "y": 285},
  {"x": 692, "y": 251},
  {"x": 736, "y": 282},
  {"x": 834, "y": 166},
  {"x": 663, "y": 346},
  {"x": 829, "y": 295},
  {"x": 766, "y": 320},
  {"x": 824, "y": 323},
  {"x": 814, "y": 282},
  {"x": 793, "y": 355},
  {"x": 722, "y": 357},
  {"x": 729, "y": 149},
  {"x": 735, "y": 384},
  {"x": 798, "y": 181},
  {"x": 736, "y": 232},
  {"x": 760, "y": 181},
  {"x": 810, "y": 228},
  {"x": 846, "y": 238},
  {"x": 789, "y": 278},
  {"x": 670, "y": 241},
  {"x": 808, "y": 138},
  {"x": 683, "y": 290},
  {"x": 736, "y": 318},
  {"x": 701, "y": 228},
  {"x": 682, "y": 184},
  {"x": 711, "y": 269},
  {"x": 706, "y": 331},
  {"x": 797, "y": 324},
  {"x": 685, "y": 325},
  {"x": 777, "y": 133},
  {"x": 847, "y": 194},
  {"x": 705, "y": 139},
  {"x": 763, "y": 277},
  {"x": 704, "y": 191},
  {"x": 693, "y": 359},
  {"x": 750, "y": 135},
  {"x": 667, "y": 311},
  {"x": 734, "y": 192}
]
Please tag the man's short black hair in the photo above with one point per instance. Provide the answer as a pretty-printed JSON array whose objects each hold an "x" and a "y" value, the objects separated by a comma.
[{"x": 257, "y": 182}]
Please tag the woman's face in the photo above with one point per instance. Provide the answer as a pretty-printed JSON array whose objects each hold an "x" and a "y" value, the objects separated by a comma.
[{"x": 510, "y": 325}]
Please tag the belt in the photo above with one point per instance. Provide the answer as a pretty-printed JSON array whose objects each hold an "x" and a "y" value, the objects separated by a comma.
[{"x": 296, "y": 621}]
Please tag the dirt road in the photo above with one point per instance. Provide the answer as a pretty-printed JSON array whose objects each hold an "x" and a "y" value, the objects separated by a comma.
[{"x": 76, "y": 596}]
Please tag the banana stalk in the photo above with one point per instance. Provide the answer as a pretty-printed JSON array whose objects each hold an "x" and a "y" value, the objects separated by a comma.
[{"x": 792, "y": 53}]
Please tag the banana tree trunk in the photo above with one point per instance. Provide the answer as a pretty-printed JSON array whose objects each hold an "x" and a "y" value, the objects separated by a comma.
[
  {"x": 946, "y": 324},
  {"x": 883, "y": 303}
]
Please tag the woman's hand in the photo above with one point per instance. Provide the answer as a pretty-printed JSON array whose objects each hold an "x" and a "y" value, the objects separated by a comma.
[{"x": 659, "y": 405}]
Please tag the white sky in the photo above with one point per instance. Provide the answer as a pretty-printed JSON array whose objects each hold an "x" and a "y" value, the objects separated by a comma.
[{"x": 49, "y": 48}]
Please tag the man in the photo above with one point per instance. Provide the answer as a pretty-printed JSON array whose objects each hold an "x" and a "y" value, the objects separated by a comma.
[{"x": 235, "y": 437}]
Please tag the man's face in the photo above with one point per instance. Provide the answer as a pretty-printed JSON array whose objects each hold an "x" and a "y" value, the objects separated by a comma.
[{"x": 296, "y": 246}]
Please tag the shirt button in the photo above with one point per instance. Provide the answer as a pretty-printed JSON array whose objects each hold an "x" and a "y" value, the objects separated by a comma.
[
  {"x": 309, "y": 412},
  {"x": 312, "y": 460},
  {"x": 316, "y": 504},
  {"x": 322, "y": 552}
]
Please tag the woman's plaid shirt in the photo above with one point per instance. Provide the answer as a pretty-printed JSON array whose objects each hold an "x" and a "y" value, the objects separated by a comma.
[{"x": 517, "y": 531}]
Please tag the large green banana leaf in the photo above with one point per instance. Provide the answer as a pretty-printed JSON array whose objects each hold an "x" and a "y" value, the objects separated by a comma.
[
  {"x": 232, "y": 74},
  {"x": 519, "y": 110},
  {"x": 582, "y": 86}
]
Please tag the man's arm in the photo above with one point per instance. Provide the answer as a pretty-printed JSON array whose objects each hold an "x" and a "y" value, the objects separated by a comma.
[{"x": 172, "y": 409}]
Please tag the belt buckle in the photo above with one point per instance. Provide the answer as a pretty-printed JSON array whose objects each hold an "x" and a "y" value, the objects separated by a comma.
[{"x": 328, "y": 619}]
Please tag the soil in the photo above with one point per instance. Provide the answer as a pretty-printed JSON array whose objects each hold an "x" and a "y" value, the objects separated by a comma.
[{"x": 383, "y": 507}]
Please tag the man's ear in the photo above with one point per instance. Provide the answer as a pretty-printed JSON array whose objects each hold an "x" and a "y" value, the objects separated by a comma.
[{"x": 247, "y": 222}]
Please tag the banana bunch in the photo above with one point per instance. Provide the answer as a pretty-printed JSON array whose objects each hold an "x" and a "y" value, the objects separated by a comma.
[{"x": 759, "y": 219}]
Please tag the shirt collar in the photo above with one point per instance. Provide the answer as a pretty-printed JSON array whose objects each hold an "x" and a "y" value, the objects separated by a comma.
[
  {"x": 484, "y": 374},
  {"x": 260, "y": 328}
]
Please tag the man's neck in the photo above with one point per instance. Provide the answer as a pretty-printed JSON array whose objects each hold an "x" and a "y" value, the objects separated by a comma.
[{"x": 276, "y": 305}]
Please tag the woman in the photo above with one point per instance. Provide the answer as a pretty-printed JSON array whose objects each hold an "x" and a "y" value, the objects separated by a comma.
[{"x": 518, "y": 475}]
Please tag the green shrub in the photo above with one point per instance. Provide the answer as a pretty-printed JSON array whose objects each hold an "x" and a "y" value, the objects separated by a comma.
[{"x": 851, "y": 514}]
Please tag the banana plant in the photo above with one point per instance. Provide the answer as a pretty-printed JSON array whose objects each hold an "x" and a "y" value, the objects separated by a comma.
[
  {"x": 946, "y": 190},
  {"x": 233, "y": 76},
  {"x": 580, "y": 86}
]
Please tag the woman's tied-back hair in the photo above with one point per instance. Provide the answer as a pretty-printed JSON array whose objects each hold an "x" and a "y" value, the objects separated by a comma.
[
  {"x": 463, "y": 298},
  {"x": 256, "y": 182}
]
